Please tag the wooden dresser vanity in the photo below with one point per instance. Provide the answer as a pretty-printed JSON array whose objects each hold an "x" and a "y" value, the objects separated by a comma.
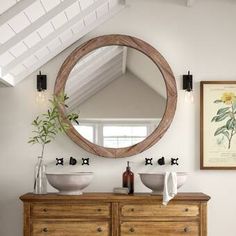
[{"x": 107, "y": 214}]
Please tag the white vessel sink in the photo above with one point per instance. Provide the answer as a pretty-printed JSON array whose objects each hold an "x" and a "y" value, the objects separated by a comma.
[
  {"x": 70, "y": 183},
  {"x": 155, "y": 181}
]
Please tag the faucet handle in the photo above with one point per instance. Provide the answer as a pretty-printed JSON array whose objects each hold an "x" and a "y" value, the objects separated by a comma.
[
  {"x": 148, "y": 161},
  {"x": 174, "y": 161},
  {"x": 59, "y": 161},
  {"x": 85, "y": 161}
]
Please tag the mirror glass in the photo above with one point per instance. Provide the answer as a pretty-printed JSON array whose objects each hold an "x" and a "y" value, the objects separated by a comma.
[{"x": 119, "y": 94}]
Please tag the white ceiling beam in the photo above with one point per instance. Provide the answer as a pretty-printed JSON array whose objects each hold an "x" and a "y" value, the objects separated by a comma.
[
  {"x": 92, "y": 59},
  {"x": 8, "y": 80},
  {"x": 89, "y": 90},
  {"x": 89, "y": 75},
  {"x": 6, "y": 83},
  {"x": 14, "y": 10},
  {"x": 91, "y": 79},
  {"x": 73, "y": 39},
  {"x": 190, "y": 3},
  {"x": 35, "y": 25},
  {"x": 85, "y": 97},
  {"x": 54, "y": 35},
  {"x": 96, "y": 66}
]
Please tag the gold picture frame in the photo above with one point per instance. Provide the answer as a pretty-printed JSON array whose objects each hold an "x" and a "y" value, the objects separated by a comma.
[{"x": 218, "y": 125}]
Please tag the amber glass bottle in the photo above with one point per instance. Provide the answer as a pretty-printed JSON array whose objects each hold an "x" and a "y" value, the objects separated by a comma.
[{"x": 128, "y": 179}]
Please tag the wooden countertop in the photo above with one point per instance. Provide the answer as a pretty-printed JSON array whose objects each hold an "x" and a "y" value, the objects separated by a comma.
[{"x": 110, "y": 197}]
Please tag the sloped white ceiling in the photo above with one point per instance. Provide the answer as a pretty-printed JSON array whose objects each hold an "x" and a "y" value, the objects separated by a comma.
[
  {"x": 101, "y": 67},
  {"x": 94, "y": 72},
  {"x": 34, "y": 31}
]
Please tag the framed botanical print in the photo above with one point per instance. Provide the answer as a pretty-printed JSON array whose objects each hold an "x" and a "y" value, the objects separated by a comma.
[{"x": 218, "y": 125}]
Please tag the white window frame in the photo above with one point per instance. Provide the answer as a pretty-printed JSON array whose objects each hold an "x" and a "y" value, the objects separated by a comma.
[{"x": 99, "y": 124}]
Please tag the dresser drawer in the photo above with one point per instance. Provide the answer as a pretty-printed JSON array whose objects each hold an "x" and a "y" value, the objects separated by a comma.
[
  {"x": 158, "y": 210},
  {"x": 63, "y": 228},
  {"x": 70, "y": 210},
  {"x": 160, "y": 229}
]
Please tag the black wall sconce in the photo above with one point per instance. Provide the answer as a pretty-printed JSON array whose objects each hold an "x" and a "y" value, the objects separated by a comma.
[
  {"x": 41, "y": 87},
  {"x": 188, "y": 87},
  {"x": 41, "y": 82}
]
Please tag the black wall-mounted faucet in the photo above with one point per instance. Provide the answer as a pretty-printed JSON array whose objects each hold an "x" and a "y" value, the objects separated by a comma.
[
  {"x": 161, "y": 161},
  {"x": 73, "y": 161}
]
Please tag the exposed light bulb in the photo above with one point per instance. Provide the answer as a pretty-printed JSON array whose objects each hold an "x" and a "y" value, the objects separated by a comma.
[
  {"x": 188, "y": 96},
  {"x": 41, "y": 96}
]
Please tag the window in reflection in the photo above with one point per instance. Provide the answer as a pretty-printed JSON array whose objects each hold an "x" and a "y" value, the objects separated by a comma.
[
  {"x": 116, "y": 133},
  {"x": 123, "y": 136}
]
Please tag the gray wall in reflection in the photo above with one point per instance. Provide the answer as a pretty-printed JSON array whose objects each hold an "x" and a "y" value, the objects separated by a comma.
[{"x": 126, "y": 97}]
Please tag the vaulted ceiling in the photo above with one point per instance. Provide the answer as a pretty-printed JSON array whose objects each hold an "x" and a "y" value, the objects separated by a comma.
[
  {"x": 34, "y": 31},
  {"x": 95, "y": 71},
  {"x": 103, "y": 66}
]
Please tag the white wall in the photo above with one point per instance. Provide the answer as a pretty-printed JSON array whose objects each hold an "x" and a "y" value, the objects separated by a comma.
[{"x": 202, "y": 39}]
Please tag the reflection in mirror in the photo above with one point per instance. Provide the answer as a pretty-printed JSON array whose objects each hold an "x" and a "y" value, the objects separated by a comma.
[{"x": 120, "y": 96}]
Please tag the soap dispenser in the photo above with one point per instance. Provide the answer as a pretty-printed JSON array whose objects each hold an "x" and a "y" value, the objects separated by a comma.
[{"x": 128, "y": 179}]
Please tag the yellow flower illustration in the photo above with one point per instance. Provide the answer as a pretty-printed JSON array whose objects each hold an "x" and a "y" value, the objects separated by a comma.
[
  {"x": 228, "y": 98},
  {"x": 226, "y": 118}
]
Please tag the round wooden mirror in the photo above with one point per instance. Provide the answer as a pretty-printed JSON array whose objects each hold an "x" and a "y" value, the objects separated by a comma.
[{"x": 114, "y": 55}]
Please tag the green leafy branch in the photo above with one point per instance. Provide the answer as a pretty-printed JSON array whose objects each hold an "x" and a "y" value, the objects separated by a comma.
[
  {"x": 49, "y": 124},
  {"x": 226, "y": 114}
]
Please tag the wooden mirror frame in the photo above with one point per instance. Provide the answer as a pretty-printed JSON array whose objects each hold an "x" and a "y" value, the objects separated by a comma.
[{"x": 156, "y": 57}]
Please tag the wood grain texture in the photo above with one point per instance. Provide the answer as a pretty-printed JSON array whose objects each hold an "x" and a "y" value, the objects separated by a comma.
[
  {"x": 158, "y": 210},
  {"x": 42, "y": 228},
  {"x": 110, "y": 197},
  {"x": 115, "y": 220},
  {"x": 203, "y": 229},
  {"x": 156, "y": 57},
  {"x": 160, "y": 228},
  {"x": 26, "y": 227},
  {"x": 70, "y": 210},
  {"x": 202, "y": 166},
  {"x": 138, "y": 214},
  {"x": 201, "y": 126}
]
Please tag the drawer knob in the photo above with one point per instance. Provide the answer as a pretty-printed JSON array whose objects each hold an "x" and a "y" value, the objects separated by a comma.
[
  {"x": 99, "y": 209},
  {"x": 131, "y": 230},
  {"x": 186, "y": 230},
  {"x": 45, "y": 230},
  {"x": 99, "y": 229},
  {"x": 132, "y": 209},
  {"x": 44, "y": 209},
  {"x": 186, "y": 209}
]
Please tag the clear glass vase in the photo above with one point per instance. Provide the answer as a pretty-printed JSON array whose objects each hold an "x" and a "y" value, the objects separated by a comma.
[{"x": 40, "y": 179}]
